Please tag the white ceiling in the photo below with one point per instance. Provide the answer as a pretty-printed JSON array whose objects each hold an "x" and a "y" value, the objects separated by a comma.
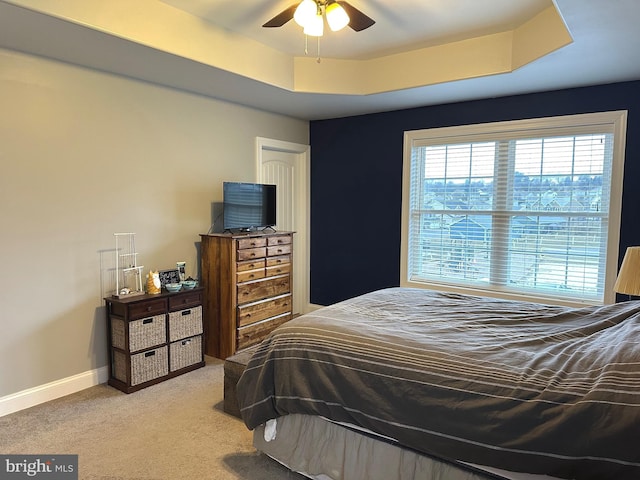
[
  {"x": 400, "y": 25},
  {"x": 605, "y": 34}
]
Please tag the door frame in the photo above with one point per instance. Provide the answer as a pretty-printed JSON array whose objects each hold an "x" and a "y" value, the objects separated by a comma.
[{"x": 302, "y": 210}]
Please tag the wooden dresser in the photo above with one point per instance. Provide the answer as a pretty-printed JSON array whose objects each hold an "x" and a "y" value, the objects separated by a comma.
[{"x": 248, "y": 288}]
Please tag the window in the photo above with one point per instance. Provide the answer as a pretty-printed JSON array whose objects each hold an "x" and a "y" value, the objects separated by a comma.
[{"x": 526, "y": 209}]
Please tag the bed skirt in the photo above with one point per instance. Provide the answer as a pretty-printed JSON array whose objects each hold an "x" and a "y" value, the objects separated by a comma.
[{"x": 323, "y": 450}]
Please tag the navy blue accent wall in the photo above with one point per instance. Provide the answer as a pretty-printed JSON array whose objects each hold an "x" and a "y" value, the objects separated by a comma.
[{"x": 356, "y": 180}]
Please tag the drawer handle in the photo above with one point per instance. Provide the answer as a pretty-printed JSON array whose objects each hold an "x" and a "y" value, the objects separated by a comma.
[
  {"x": 147, "y": 320},
  {"x": 186, "y": 312},
  {"x": 279, "y": 250},
  {"x": 248, "y": 315},
  {"x": 149, "y": 308},
  {"x": 150, "y": 354},
  {"x": 186, "y": 342},
  {"x": 253, "y": 254}
]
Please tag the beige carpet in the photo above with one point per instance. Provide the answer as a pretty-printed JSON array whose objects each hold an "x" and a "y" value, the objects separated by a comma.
[{"x": 174, "y": 430}]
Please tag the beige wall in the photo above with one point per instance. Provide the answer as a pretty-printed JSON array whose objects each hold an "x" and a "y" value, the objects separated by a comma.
[{"x": 84, "y": 154}]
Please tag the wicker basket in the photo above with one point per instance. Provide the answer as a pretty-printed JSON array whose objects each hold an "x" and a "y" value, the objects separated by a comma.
[
  {"x": 185, "y": 323},
  {"x": 149, "y": 365},
  {"x": 144, "y": 333},
  {"x": 184, "y": 353},
  {"x": 145, "y": 366}
]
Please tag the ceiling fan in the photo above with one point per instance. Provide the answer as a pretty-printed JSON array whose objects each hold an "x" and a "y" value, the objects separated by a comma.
[{"x": 310, "y": 15}]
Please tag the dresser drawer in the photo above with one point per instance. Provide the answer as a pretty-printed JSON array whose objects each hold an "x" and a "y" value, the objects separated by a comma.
[
  {"x": 254, "y": 312},
  {"x": 185, "y": 300},
  {"x": 148, "y": 308},
  {"x": 281, "y": 240},
  {"x": 259, "y": 289},
  {"x": 252, "y": 242},
  {"x": 252, "y": 253},
  {"x": 256, "y": 332},
  {"x": 280, "y": 260},
  {"x": 250, "y": 265},
  {"x": 250, "y": 275},
  {"x": 278, "y": 250},
  {"x": 278, "y": 270}
]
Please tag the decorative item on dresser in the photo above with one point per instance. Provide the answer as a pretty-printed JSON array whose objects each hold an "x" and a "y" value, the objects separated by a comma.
[
  {"x": 153, "y": 338},
  {"x": 248, "y": 288}
]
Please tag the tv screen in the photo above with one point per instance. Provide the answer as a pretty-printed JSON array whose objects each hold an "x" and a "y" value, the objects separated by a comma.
[{"x": 248, "y": 206}]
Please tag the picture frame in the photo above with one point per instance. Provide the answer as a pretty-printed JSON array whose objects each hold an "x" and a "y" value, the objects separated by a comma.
[
  {"x": 169, "y": 276},
  {"x": 182, "y": 270}
]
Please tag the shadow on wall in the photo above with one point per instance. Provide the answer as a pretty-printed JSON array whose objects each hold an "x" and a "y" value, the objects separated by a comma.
[
  {"x": 217, "y": 225},
  {"x": 98, "y": 351}
]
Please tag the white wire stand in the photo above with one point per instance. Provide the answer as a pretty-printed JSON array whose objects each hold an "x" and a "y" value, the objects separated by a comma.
[{"x": 128, "y": 272}]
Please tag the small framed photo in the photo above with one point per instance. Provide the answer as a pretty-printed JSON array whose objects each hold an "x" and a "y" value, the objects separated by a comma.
[
  {"x": 169, "y": 276},
  {"x": 182, "y": 269}
]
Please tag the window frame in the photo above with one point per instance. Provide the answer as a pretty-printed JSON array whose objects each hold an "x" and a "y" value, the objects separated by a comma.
[{"x": 615, "y": 120}]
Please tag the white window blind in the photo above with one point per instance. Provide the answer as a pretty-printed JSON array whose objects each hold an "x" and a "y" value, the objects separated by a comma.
[{"x": 524, "y": 208}]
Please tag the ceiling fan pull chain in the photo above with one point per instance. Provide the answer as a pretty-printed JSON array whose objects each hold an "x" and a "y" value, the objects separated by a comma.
[
  {"x": 306, "y": 44},
  {"x": 318, "y": 59}
]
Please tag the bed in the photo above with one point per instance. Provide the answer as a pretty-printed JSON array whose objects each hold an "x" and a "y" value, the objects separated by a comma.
[{"x": 449, "y": 386}]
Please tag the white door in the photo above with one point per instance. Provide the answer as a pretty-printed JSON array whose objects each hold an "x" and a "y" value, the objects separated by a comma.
[{"x": 286, "y": 165}]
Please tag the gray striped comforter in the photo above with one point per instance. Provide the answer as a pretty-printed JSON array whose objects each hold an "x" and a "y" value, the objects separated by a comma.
[{"x": 514, "y": 385}]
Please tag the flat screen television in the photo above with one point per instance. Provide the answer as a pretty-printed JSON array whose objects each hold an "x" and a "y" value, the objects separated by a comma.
[{"x": 248, "y": 206}]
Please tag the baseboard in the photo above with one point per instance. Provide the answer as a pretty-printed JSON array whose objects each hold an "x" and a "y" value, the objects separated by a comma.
[{"x": 50, "y": 391}]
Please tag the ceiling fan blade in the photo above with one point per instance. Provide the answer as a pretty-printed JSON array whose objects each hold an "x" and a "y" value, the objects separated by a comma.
[
  {"x": 358, "y": 20},
  {"x": 282, "y": 18}
]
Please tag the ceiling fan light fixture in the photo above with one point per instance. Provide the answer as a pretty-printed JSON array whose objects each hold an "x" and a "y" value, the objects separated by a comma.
[
  {"x": 337, "y": 17},
  {"x": 315, "y": 26},
  {"x": 305, "y": 13}
]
